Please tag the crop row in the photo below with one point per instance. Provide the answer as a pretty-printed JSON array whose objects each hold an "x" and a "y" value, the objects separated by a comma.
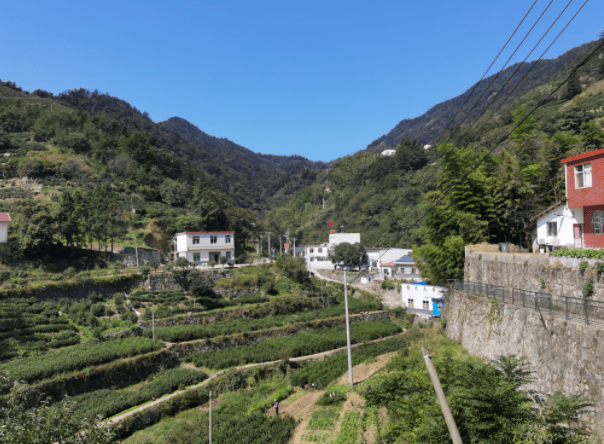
[
  {"x": 79, "y": 356},
  {"x": 305, "y": 343},
  {"x": 106, "y": 403},
  {"x": 322, "y": 373},
  {"x": 587, "y": 254},
  {"x": 182, "y": 333}
]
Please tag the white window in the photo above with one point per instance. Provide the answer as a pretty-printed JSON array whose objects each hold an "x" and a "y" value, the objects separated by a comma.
[
  {"x": 409, "y": 302},
  {"x": 227, "y": 239},
  {"x": 598, "y": 222},
  {"x": 426, "y": 305},
  {"x": 552, "y": 228},
  {"x": 320, "y": 250},
  {"x": 228, "y": 255},
  {"x": 311, "y": 250},
  {"x": 197, "y": 256},
  {"x": 583, "y": 176},
  {"x": 195, "y": 240},
  {"x": 213, "y": 238},
  {"x": 413, "y": 271}
]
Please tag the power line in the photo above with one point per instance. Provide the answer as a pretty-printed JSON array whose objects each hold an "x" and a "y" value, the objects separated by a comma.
[
  {"x": 540, "y": 103},
  {"x": 500, "y": 71}
]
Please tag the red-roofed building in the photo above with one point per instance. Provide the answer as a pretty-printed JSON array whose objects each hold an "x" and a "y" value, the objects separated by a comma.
[
  {"x": 202, "y": 247},
  {"x": 4, "y": 221},
  {"x": 584, "y": 179}
]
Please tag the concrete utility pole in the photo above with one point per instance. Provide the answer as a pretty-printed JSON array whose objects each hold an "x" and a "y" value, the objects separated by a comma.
[
  {"x": 136, "y": 249},
  {"x": 294, "y": 246},
  {"x": 153, "y": 323},
  {"x": 210, "y": 416},
  {"x": 280, "y": 247},
  {"x": 260, "y": 244},
  {"x": 269, "y": 243},
  {"x": 442, "y": 400},
  {"x": 347, "y": 329}
]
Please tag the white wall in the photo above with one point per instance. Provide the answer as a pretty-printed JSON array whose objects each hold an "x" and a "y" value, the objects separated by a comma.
[
  {"x": 340, "y": 238},
  {"x": 565, "y": 218},
  {"x": 3, "y": 232},
  {"x": 419, "y": 294}
]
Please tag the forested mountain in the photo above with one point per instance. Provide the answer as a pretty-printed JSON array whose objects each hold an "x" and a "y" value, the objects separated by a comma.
[
  {"x": 481, "y": 186},
  {"x": 427, "y": 127},
  {"x": 73, "y": 178},
  {"x": 253, "y": 180}
]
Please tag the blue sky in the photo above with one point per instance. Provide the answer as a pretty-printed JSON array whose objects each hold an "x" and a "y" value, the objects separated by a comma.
[{"x": 317, "y": 79}]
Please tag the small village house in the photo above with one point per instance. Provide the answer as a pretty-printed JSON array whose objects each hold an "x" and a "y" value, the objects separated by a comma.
[
  {"x": 422, "y": 299},
  {"x": 555, "y": 227},
  {"x": 202, "y": 247},
  {"x": 584, "y": 180},
  {"x": 4, "y": 221}
]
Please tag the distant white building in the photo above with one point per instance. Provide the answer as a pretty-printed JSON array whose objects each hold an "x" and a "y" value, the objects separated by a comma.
[
  {"x": 556, "y": 227},
  {"x": 317, "y": 256},
  {"x": 341, "y": 238},
  {"x": 388, "y": 152},
  {"x": 202, "y": 247},
  {"x": 4, "y": 221},
  {"x": 378, "y": 257},
  {"x": 423, "y": 298},
  {"x": 427, "y": 146}
]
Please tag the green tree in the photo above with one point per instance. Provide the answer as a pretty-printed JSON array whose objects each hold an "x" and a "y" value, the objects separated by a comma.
[
  {"x": 26, "y": 420},
  {"x": 352, "y": 255},
  {"x": 592, "y": 135},
  {"x": 573, "y": 86}
]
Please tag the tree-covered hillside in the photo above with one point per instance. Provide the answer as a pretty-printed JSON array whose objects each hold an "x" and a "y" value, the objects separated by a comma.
[
  {"x": 69, "y": 177},
  {"x": 253, "y": 180},
  {"x": 479, "y": 186},
  {"x": 516, "y": 81}
]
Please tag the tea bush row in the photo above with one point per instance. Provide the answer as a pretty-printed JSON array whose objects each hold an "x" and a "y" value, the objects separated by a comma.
[
  {"x": 106, "y": 403},
  {"x": 79, "y": 356},
  {"x": 305, "y": 343}
]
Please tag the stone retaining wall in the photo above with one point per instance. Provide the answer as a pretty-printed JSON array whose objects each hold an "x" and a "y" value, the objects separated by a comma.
[
  {"x": 563, "y": 355},
  {"x": 561, "y": 276}
]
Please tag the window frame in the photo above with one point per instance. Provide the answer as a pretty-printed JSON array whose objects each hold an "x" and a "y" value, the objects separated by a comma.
[
  {"x": 195, "y": 240},
  {"x": 549, "y": 226},
  {"x": 227, "y": 239},
  {"x": 583, "y": 175},
  {"x": 196, "y": 257},
  {"x": 213, "y": 238},
  {"x": 597, "y": 222}
]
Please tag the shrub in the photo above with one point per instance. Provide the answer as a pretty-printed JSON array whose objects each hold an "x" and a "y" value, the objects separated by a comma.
[
  {"x": 332, "y": 397},
  {"x": 588, "y": 288},
  {"x": 583, "y": 266},
  {"x": 387, "y": 284},
  {"x": 146, "y": 269},
  {"x": 181, "y": 262}
]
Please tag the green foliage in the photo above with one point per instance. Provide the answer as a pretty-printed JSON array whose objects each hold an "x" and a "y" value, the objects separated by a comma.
[
  {"x": 304, "y": 343},
  {"x": 333, "y": 396},
  {"x": 583, "y": 266},
  {"x": 105, "y": 403},
  {"x": 25, "y": 420},
  {"x": 592, "y": 135},
  {"x": 387, "y": 284},
  {"x": 588, "y": 288},
  {"x": 352, "y": 255},
  {"x": 588, "y": 254},
  {"x": 83, "y": 355},
  {"x": 349, "y": 428}
]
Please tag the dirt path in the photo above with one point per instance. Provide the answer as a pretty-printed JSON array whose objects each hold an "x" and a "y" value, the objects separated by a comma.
[
  {"x": 314, "y": 357},
  {"x": 304, "y": 406},
  {"x": 366, "y": 369}
]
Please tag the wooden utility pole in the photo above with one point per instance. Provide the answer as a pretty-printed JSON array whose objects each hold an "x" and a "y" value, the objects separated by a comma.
[{"x": 442, "y": 400}]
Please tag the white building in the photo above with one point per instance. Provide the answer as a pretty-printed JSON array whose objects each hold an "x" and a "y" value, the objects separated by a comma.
[
  {"x": 378, "y": 257},
  {"x": 202, "y": 247},
  {"x": 388, "y": 152},
  {"x": 317, "y": 256},
  {"x": 341, "y": 238},
  {"x": 4, "y": 221},
  {"x": 402, "y": 268},
  {"x": 555, "y": 227},
  {"x": 422, "y": 297}
]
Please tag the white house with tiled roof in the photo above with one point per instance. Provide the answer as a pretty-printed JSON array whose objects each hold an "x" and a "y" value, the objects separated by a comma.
[
  {"x": 202, "y": 247},
  {"x": 4, "y": 221}
]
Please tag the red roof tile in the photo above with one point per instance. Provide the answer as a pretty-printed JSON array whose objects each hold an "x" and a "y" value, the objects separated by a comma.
[
  {"x": 4, "y": 217},
  {"x": 583, "y": 156}
]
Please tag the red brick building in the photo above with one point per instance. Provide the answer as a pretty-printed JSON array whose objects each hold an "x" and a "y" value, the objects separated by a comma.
[{"x": 584, "y": 178}]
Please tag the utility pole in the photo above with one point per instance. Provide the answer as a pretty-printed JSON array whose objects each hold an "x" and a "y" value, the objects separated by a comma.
[
  {"x": 269, "y": 243},
  {"x": 280, "y": 247},
  {"x": 153, "y": 323},
  {"x": 294, "y": 246},
  {"x": 442, "y": 400},
  {"x": 347, "y": 328},
  {"x": 136, "y": 249},
  {"x": 210, "y": 416},
  {"x": 260, "y": 244}
]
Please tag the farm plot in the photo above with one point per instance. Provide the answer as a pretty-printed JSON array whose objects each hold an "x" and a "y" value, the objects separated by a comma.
[{"x": 304, "y": 343}]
